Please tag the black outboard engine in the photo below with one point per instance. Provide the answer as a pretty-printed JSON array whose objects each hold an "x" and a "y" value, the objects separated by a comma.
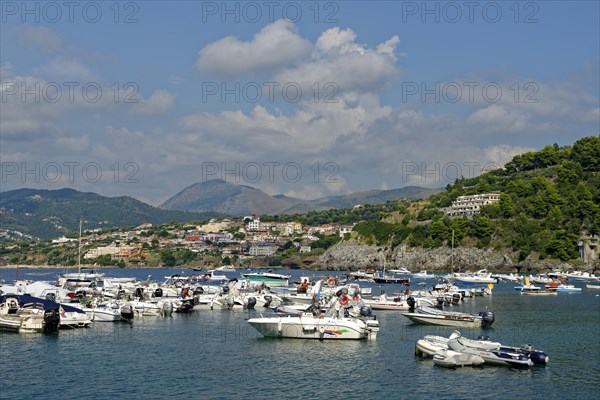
[
  {"x": 536, "y": 356},
  {"x": 411, "y": 303},
  {"x": 225, "y": 289},
  {"x": 186, "y": 306},
  {"x": 127, "y": 312},
  {"x": 139, "y": 292},
  {"x": 488, "y": 318},
  {"x": 440, "y": 302},
  {"x": 51, "y": 320},
  {"x": 268, "y": 300},
  {"x": 455, "y": 298},
  {"x": 365, "y": 311},
  {"x": 251, "y": 303},
  {"x": 51, "y": 297},
  {"x": 483, "y": 338},
  {"x": 158, "y": 292}
]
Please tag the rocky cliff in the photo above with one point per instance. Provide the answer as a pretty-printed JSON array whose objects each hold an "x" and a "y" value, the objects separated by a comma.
[{"x": 351, "y": 256}]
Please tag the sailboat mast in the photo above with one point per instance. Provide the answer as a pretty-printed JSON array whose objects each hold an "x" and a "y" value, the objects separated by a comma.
[
  {"x": 79, "y": 251},
  {"x": 452, "y": 254}
]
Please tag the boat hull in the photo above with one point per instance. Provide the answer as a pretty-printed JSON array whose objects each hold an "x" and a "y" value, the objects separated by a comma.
[
  {"x": 316, "y": 328},
  {"x": 444, "y": 320}
]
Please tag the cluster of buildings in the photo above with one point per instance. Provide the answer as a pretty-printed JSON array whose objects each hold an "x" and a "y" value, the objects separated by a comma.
[
  {"x": 470, "y": 205},
  {"x": 248, "y": 237}
]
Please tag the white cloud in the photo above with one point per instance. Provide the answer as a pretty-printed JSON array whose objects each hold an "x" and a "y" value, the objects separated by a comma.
[
  {"x": 40, "y": 37},
  {"x": 160, "y": 102},
  {"x": 350, "y": 66},
  {"x": 276, "y": 45}
]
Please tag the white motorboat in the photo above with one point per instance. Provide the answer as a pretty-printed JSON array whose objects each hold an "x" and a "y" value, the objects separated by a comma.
[
  {"x": 308, "y": 326},
  {"x": 423, "y": 275},
  {"x": 562, "y": 288},
  {"x": 431, "y": 316},
  {"x": 268, "y": 278},
  {"x": 107, "y": 312},
  {"x": 451, "y": 359},
  {"x": 593, "y": 287},
  {"x": 401, "y": 271},
  {"x": 481, "y": 276},
  {"x": 21, "y": 314},
  {"x": 226, "y": 268},
  {"x": 400, "y": 303}
]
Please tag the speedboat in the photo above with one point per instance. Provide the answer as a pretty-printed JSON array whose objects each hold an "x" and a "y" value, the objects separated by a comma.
[
  {"x": 400, "y": 303},
  {"x": 567, "y": 289},
  {"x": 268, "y": 278},
  {"x": 28, "y": 317},
  {"x": 309, "y": 326},
  {"x": 423, "y": 275},
  {"x": 431, "y": 316}
]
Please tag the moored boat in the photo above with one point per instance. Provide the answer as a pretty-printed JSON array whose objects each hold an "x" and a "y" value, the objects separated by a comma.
[
  {"x": 451, "y": 359},
  {"x": 308, "y": 326}
]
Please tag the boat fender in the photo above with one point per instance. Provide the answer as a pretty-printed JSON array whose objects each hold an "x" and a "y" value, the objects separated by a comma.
[
  {"x": 331, "y": 281},
  {"x": 279, "y": 327}
]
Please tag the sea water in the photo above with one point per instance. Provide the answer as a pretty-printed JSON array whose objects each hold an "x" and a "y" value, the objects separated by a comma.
[{"x": 218, "y": 355}]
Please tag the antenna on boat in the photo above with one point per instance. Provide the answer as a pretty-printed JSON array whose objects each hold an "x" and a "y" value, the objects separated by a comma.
[
  {"x": 452, "y": 254},
  {"x": 79, "y": 251}
]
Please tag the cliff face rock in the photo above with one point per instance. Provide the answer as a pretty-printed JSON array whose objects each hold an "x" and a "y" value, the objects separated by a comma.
[{"x": 351, "y": 256}]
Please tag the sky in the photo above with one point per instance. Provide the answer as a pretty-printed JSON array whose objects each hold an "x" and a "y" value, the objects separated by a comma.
[{"x": 307, "y": 99}]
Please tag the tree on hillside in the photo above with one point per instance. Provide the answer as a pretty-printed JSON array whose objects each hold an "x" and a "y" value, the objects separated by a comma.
[{"x": 586, "y": 152}]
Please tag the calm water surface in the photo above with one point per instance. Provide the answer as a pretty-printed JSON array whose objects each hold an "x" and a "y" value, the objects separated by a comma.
[{"x": 216, "y": 354}]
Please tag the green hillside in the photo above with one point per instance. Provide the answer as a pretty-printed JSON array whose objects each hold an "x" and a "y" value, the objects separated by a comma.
[{"x": 548, "y": 199}]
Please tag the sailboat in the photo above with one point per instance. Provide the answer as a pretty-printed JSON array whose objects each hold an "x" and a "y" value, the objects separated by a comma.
[
  {"x": 88, "y": 275},
  {"x": 385, "y": 278}
]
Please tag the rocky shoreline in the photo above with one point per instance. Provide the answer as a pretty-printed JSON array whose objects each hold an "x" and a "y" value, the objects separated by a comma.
[{"x": 351, "y": 256}]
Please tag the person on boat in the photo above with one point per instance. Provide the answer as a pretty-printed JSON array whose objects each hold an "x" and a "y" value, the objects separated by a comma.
[
  {"x": 185, "y": 292},
  {"x": 342, "y": 303},
  {"x": 303, "y": 287},
  {"x": 357, "y": 301}
]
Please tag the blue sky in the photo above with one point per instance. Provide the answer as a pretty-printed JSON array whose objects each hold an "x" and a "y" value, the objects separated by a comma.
[{"x": 408, "y": 92}]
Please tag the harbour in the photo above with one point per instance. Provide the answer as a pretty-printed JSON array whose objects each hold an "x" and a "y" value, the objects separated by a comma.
[{"x": 217, "y": 354}]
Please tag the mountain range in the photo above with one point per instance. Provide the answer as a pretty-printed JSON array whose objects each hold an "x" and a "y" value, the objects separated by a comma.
[
  {"x": 240, "y": 200},
  {"x": 38, "y": 213}
]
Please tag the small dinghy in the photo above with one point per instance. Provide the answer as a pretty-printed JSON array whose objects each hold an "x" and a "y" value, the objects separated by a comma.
[{"x": 452, "y": 359}]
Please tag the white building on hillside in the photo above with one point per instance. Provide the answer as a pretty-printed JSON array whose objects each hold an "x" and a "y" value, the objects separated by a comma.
[{"x": 471, "y": 205}]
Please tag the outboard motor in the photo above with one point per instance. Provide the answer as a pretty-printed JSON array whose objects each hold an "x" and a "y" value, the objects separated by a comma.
[
  {"x": 51, "y": 321},
  {"x": 186, "y": 306},
  {"x": 51, "y": 297},
  {"x": 167, "y": 308},
  {"x": 488, "y": 318},
  {"x": 483, "y": 338},
  {"x": 411, "y": 303},
  {"x": 440, "y": 302},
  {"x": 365, "y": 311},
  {"x": 536, "y": 356},
  {"x": 225, "y": 289},
  {"x": 251, "y": 303},
  {"x": 268, "y": 300},
  {"x": 139, "y": 292},
  {"x": 158, "y": 292},
  {"x": 127, "y": 312},
  {"x": 455, "y": 298}
]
